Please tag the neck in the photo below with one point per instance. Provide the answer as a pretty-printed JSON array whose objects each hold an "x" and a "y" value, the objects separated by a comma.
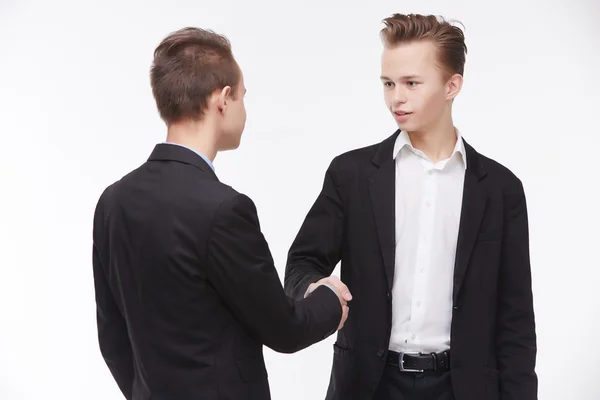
[
  {"x": 436, "y": 142},
  {"x": 198, "y": 135}
]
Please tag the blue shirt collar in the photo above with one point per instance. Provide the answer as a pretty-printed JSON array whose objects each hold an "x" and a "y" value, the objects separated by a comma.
[{"x": 210, "y": 164}]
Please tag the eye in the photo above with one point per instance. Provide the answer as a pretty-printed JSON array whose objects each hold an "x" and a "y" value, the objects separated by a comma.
[
  {"x": 412, "y": 83},
  {"x": 388, "y": 84}
]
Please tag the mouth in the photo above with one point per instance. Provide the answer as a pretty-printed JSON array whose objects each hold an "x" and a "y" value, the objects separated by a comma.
[{"x": 401, "y": 116}]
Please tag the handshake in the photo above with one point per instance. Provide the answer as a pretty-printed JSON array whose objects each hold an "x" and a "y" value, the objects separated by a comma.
[{"x": 340, "y": 289}]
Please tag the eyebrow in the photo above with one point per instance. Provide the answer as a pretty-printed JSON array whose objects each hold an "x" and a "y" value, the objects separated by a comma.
[{"x": 404, "y": 78}]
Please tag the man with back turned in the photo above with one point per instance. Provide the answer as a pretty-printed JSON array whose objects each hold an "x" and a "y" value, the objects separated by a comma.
[{"x": 186, "y": 290}]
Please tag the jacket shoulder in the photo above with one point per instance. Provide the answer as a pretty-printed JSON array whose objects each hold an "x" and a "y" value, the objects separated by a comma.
[
  {"x": 362, "y": 161},
  {"x": 362, "y": 154},
  {"x": 499, "y": 173},
  {"x": 360, "y": 158},
  {"x": 504, "y": 182}
]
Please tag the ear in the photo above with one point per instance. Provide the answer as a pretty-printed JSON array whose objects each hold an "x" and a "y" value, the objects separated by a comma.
[
  {"x": 223, "y": 98},
  {"x": 453, "y": 86}
]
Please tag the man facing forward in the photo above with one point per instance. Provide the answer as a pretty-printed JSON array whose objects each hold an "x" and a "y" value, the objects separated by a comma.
[{"x": 433, "y": 240}]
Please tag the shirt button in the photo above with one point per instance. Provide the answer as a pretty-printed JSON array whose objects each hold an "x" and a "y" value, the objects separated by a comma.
[
  {"x": 418, "y": 304},
  {"x": 413, "y": 336},
  {"x": 430, "y": 172},
  {"x": 380, "y": 353}
]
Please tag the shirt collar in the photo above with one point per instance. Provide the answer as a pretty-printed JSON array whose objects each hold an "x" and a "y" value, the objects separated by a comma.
[
  {"x": 210, "y": 164},
  {"x": 404, "y": 140}
]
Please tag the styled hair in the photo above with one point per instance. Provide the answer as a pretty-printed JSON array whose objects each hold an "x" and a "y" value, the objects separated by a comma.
[
  {"x": 448, "y": 39},
  {"x": 189, "y": 65}
]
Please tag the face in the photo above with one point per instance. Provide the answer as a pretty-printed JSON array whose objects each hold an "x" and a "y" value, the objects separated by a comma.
[
  {"x": 232, "y": 115},
  {"x": 416, "y": 90}
]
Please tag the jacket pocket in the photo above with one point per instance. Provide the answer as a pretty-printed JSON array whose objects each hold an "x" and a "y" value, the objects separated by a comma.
[{"x": 340, "y": 351}]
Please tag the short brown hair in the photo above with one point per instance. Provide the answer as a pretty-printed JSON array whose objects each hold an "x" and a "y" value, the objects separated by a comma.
[
  {"x": 188, "y": 66},
  {"x": 449, "y": 39}
]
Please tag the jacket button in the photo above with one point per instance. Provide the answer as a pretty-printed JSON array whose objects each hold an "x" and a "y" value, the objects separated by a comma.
[
  {"x": 380, "y": 353},
  {"x": 389, "y": 296},
  {"x": 455, "y": 308}
]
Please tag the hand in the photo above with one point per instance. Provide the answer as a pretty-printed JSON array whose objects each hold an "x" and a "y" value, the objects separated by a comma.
[
  {"x": 340, "y": 289},
  {"x": 345, "y": 311}
]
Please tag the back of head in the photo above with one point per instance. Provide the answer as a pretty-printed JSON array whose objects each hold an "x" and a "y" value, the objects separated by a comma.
[
  {"x": 447, "y": 38},
  {"x": 189, "y": 65}
]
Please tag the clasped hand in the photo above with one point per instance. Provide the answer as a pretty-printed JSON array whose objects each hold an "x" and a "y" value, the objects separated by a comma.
[{"x": 340, "y": 289}]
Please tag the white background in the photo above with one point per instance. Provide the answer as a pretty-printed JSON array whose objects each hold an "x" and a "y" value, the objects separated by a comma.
[{"x": 76, "y": 113}]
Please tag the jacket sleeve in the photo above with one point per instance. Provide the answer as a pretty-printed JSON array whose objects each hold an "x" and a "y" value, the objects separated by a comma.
[
  {"x": 516, "y": 337},
  {"x": 112, "y": 330},
  {"x": 317, "y": 248},
  {"x": 241, "y": 269}
]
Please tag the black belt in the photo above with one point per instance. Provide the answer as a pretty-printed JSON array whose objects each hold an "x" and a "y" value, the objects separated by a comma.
[{"x": 411, "y": 362}]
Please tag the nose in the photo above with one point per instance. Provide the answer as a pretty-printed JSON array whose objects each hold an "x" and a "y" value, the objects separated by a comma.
[{"x": 399, "y": 95}]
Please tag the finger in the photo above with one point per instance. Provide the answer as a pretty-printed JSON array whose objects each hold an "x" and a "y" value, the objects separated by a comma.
[
  {"x": 345, "y": 311},
  {"x": 345, "y": 291},
  {"x": 344, "y": 315}
]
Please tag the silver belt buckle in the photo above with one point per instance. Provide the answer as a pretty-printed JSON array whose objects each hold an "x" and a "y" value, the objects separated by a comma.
[{"x": 401, "y": 363}]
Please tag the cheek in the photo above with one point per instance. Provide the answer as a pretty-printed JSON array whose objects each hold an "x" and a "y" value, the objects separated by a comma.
[
  {"x": 387, "y": 98},
  {"x": 243, "y": 116},
  {"x": 429, "y": 102}
]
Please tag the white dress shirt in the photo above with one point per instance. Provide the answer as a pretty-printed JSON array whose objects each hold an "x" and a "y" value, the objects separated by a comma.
[{"x": 428, "y": 207}]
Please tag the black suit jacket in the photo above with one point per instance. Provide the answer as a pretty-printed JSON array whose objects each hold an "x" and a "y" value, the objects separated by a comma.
[
  {"x": 493, "y": 338},
  {"x": 186, "y": 290}
]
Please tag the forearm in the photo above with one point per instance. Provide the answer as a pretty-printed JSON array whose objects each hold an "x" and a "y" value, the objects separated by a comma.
[
  {"x": 241, "y": 269},
  {"x": 518, "y": 380},
  {"x": 113, "y": 337},
  {"x": 314, "y": 319},
  {"x": 118, "y": 356},
  {"x": 298, "y": 278},
  {"x": 516, "y": 352},
  {"x": 318, "y": 246}
]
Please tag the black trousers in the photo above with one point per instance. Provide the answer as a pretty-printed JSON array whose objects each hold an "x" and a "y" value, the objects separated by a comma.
[{"x": 429, "y": 385}]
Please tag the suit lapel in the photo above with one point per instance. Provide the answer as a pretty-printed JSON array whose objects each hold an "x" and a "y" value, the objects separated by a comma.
[
  {"x": 473, "y": 208},
  {"x": 383, "y": 197}
]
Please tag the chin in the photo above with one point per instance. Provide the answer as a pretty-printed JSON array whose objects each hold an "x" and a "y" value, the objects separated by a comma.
[
  {"x": 408, "y": 126},
  {"x": 230, "y": 142},
  {"x": 403, "y": 126},
  {"x": 231, "y": 146},
  {"x": 236, "y": 143}
]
